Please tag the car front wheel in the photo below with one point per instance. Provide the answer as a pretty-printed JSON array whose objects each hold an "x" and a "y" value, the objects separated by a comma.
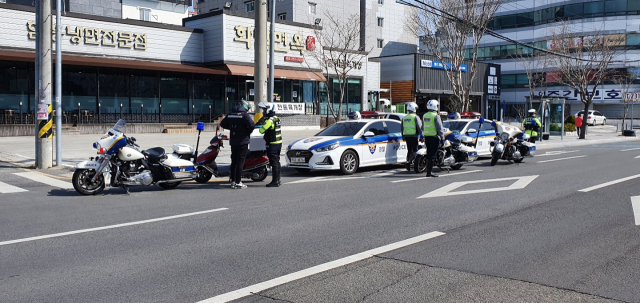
[{"x": 349, "y": 162}]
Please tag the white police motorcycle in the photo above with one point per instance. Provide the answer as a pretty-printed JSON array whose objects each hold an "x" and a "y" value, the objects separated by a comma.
[
  {"x": 120, "y": 161},
  {"x": 510, "y": 144},
  {"x": 453, "y": 153}
]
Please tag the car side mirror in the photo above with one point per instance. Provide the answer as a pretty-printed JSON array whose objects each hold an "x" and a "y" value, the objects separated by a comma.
[
  {"x": 368, "y": 134},
  {"x": 472, "y": 131}
]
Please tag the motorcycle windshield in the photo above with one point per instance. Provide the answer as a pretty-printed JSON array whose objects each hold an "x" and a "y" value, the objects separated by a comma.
[{"x": 119, "y": 127}]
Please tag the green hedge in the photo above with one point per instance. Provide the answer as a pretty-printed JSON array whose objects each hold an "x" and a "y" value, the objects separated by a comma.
[
  {"x": 569, "y": 127},
  {"x": 570, "y": 120},
  {"x": 554, "y": 127}
]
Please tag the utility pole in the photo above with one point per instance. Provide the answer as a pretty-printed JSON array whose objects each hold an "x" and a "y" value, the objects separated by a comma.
[
  {"x": 271, "y": 46},
  {"x": 260, "y": 68},
  {"x": 58, "y": 83},
  {"x": 43, "y": 110}
]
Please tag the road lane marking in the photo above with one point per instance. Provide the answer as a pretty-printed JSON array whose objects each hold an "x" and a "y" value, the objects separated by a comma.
[
  {"x": 46, "y": 180},
  {"x": 19, "y": 155},
  {"x": 521, "y": 182},
  {"x": 637, "y": 157},
  {"x": 555, "y": 153},
  {"x": 256, "y": 288},
  {"x": 630, "y": 149},
  {"x": 561, "y": 159},
  {"x": 8, "y": 189},
  {"x": 441, "y": 175},
  {"x": 635, "y": 204},
  {"x": 108, "y": 227},
  {"x": 387, "y": 173},
  {"x": 586, "y": 190}
]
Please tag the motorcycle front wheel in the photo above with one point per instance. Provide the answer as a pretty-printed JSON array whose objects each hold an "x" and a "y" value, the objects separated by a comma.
[
  {"x": 82, "y": 182},
  {"x": 262, "y": 174},
  {"x": 420, "y": 164},
  {"x": 494, "y": 158}
]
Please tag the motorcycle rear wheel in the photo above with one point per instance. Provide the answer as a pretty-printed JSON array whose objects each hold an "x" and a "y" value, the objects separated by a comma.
[
  {"x": 82, "y": 182},
  {"x": 171, "y": 185},
  {"x": 203, "y": 175},
  {"x": 420, "y": 164},
  {"x": 494, "y": 158},
  {"x": 262, "y": 172}
]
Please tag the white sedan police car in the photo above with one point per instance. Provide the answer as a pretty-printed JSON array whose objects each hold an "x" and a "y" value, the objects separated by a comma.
[{"x": 348, "y": 145}]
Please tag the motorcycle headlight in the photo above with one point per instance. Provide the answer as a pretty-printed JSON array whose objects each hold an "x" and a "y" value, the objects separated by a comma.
[
  {"x": 96, "y": 145},
  {"x": 328, "y": 147},
  {"x": 504, "y": 136}
]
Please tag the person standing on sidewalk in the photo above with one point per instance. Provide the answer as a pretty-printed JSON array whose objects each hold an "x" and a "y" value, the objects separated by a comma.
[
  {"x": 411, "y": 132},
  {"x": 578, "y": 125},
  {"x": 433, "y": 133},
  {"x": 241, "y": 126},
  {"x": 273, "y": 140}
]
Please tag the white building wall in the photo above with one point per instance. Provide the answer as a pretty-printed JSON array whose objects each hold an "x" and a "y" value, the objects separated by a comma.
[{"x": 161, "y": 11}]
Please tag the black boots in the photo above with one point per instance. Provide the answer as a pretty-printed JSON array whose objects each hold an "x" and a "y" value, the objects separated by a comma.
[
  {"x": 430, "y": 168},
  {"x": 275, "y": 179}
]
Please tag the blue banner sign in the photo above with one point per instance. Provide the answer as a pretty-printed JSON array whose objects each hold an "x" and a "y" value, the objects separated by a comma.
[{"x": 440, "y": 65}]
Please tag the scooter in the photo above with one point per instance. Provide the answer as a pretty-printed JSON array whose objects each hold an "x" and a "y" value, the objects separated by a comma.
[{"x": 255, "y": 166}]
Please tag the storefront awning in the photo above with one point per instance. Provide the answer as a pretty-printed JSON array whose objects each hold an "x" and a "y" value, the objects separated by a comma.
[
  {"x": 117, "y": 63},
  {"x": 242, "y": 70},
  {"x": 443, "y": 92}
]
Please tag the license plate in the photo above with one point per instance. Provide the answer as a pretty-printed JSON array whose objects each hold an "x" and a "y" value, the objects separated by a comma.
[{"x": 297, "y": 160}]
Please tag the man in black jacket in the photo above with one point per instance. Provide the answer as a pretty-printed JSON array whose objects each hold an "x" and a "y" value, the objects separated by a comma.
[{"x": 241, "y": 126}]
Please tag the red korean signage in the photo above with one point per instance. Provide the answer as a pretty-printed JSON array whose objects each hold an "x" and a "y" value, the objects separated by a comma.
[
  {"x": 311, "y": 43},
  {"x": 293, "y": 59}
]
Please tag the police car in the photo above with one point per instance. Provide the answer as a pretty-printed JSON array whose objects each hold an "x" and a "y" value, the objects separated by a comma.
[
  {"x": 348, "y": 145},
  {"x": 471, "y": 127}
]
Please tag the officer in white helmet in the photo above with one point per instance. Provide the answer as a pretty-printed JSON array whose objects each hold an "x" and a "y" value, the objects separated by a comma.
[
  {"x": 411, "y": 131},
  {"x": 433, "y": 133}
]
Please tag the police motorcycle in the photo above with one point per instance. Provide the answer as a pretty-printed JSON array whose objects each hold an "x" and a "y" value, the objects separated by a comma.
[
  {"x": 510, "y": 144},
  {"x": 451, "y": 152},
  {"x": 121, "y": 162}
]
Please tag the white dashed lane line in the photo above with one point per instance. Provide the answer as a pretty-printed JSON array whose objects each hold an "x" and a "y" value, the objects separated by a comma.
[
  {"x": 568, "y": 158},
  {"x": 586, "y": 190}
]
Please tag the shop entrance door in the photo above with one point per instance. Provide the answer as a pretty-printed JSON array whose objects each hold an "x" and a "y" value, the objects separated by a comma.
[{"x": 249, "y": 90}]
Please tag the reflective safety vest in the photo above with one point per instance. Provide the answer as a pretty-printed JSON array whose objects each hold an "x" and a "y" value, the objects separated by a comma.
[
  {"x": 529, "y": 128},
  {"x": 429, "y": 120},
  {"x": 409, "y": 127},
  {"x": 271, "y": 130}
]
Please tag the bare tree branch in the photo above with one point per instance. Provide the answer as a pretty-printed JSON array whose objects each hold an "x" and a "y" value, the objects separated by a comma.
[
  {"x": 624, "y": 80},
  {"x": 448, "y": 38}
]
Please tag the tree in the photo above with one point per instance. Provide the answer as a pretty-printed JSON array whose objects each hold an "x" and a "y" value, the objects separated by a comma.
[
  {"x": 448, "y": 28},
  {"x": 535, "y": 65},
  {"x": 625, "y": 80},
  {"x": 582, "y": 62},
  {"x": 338, "y": 52}
]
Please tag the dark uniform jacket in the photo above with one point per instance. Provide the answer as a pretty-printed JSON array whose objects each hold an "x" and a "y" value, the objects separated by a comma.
[{"x": 240, "y": 124}]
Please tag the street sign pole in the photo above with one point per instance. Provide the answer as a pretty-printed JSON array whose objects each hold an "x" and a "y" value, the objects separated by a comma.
[
  {"x": 43, "y": 112},
  {"x": 58, "y": 84}
]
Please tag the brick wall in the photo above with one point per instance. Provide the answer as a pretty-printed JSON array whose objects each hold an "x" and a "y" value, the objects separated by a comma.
[{"x": 401, "y": 91}]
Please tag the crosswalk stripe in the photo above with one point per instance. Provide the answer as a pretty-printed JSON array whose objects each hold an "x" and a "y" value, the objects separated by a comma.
[
  {"x": 7, "y": 189},
  {"x": 46, "y": 180}
]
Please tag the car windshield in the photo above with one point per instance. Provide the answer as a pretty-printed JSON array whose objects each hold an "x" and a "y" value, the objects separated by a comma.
[
  {"x": 454, "y": 126},
  {"x": 342, "y": 129}
]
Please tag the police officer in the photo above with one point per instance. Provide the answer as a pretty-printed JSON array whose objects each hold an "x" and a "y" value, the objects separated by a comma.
[
  {"x": 411, "y": 132},
  {"x": 273, "y": 139},
  {"x": 241, "y": 125},
  {"x": 433, "y": 133},
  {"x": 531, "y": 128}
]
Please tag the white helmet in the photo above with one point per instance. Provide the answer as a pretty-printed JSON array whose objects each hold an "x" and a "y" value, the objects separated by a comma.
[
  {"x": 263, "y": 105},
  {"x": 532, "y": 112},
  {"x": 354, "y": 115},
  {"x": 432, "y": 105},
  {"x": 411, "y": 107}
]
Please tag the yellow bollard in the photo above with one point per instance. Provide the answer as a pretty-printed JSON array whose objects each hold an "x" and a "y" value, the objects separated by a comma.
[{"x": 257, "y": 117}]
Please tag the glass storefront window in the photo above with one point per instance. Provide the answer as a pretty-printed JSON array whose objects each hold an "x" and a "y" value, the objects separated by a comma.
[
  {"x": 506, "y": 80},
  {"x": 114, "y": 90},
  {"x": 79, "y": 87},
  {"x": 307, "y": 89},
  {"x": 633, "y": 39},
  {"x": 354, "y": 94},
  {"x": 633, "y": 6},
  {"x": 522, "y": 79},
  {"x": 208, "y": 92},
  {"x": 144, "y": 92},
  {"x": 615, "y": 7},
  {"x": 14, "y": 86},
  {"x": 174, "y": 96},
  {"x": 286, "y": 93},
  {"x": 525, "y": 19},
  {"x": 572, "y": 11},
  {"x": 278, "y": 90}
]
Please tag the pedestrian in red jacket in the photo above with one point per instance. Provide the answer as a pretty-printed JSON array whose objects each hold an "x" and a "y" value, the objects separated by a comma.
[{"x": 578, "y": 124}]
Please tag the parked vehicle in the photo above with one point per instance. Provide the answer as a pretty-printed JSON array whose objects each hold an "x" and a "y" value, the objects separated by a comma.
[
  {"x": 121, "y": 162},
  {"x": 594, "y": 117},
  {"x": 484, "y": 133},
  {"x": 510, "y": 144},
  {"x": 453, "y": 153},
  {"x": 256, "y": 164}
]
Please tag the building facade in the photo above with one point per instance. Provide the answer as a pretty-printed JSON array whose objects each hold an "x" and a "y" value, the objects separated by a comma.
[
  {"x": 383, "y": 31},
  {"x": 530, "y": 22},
  {"x": 161, "y": 11},
  {"x": 117, "y": 65}
]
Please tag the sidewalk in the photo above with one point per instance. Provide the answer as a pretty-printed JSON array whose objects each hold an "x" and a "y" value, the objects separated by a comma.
[{"x": 20, "y": 151}]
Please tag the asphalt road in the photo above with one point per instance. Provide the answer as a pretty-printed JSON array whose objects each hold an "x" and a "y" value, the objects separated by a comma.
[{"x": 517, "y": 233}]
